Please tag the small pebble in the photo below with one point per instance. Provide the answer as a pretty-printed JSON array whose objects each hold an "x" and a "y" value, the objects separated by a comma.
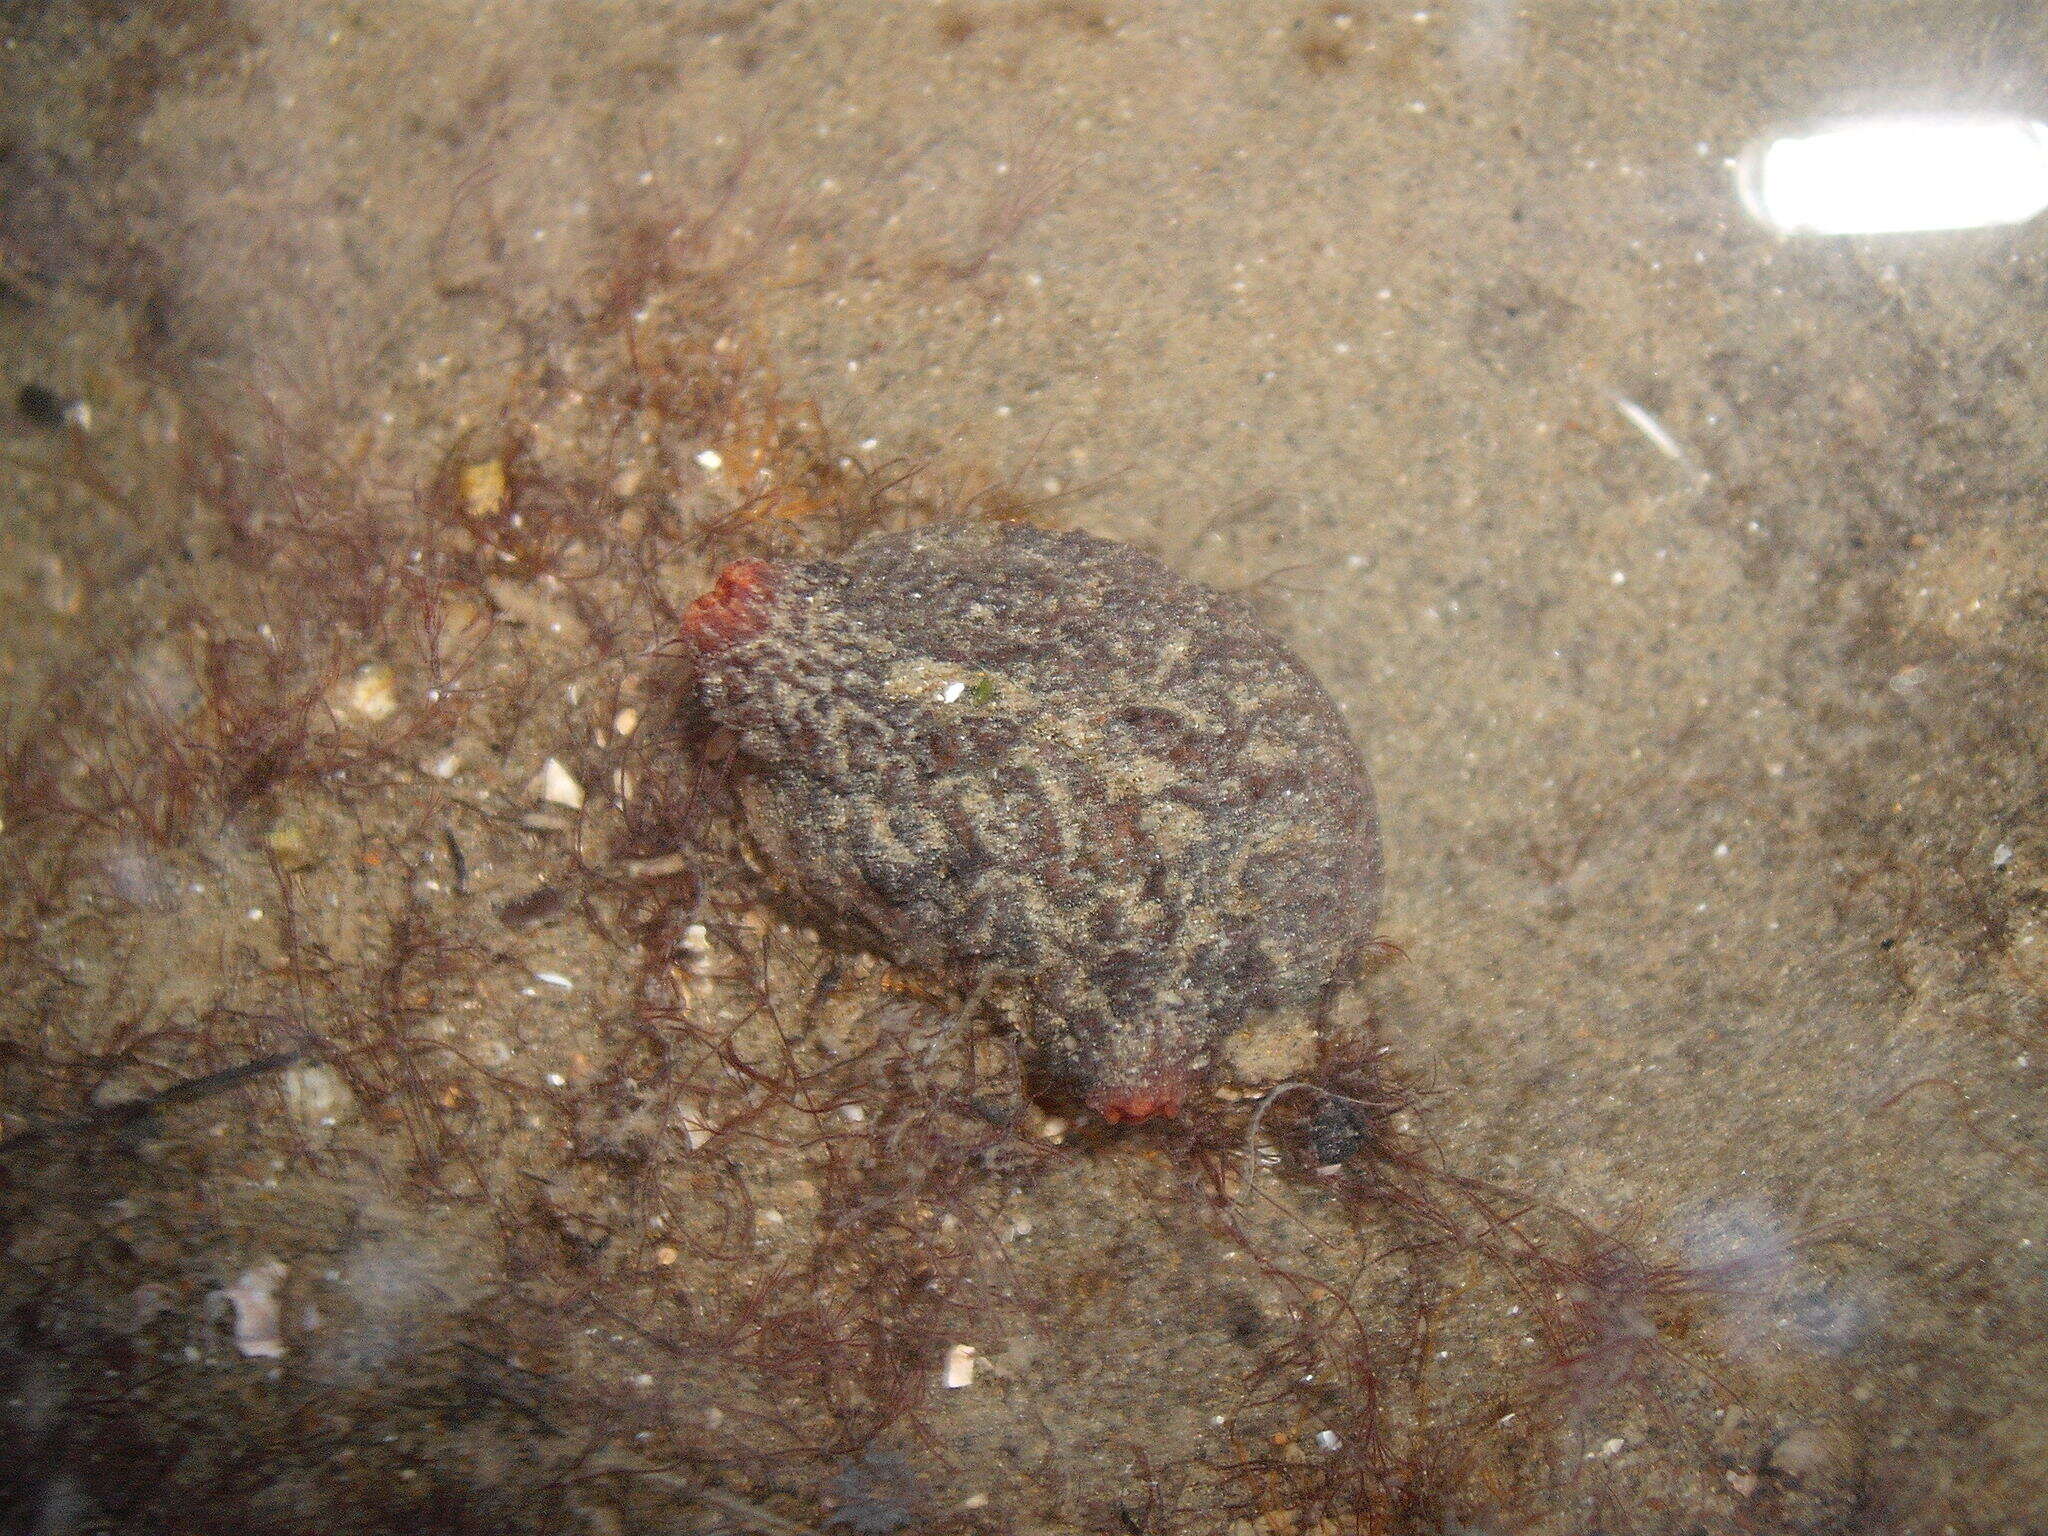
[
  {"x": 485, "y": 490},
  {"x": 536, "y": 906}
]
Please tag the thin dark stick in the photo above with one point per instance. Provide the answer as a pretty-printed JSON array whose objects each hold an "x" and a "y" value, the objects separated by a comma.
[{"x": 116, "y": 1117}]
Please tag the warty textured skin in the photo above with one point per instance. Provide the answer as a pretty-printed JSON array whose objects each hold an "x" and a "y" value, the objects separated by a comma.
[{"x": 1045, "y": 765}]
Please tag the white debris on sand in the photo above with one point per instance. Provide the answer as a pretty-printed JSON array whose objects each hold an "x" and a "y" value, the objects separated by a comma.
[
  {"x": 696, "y": 949},
  {"x": 960, "y": 1366},
  {"x": 254, "y": 1298},
  {"x": 559, "y": 787}
]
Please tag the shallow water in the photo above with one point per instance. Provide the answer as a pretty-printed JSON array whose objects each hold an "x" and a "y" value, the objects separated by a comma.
[{"x": 1681, "y": 580}]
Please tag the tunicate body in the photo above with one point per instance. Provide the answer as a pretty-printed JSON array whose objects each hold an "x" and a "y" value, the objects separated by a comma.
[{"x": 1047, "y": 768}]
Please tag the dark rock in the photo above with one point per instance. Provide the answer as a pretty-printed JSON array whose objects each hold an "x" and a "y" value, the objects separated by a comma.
[{"x": 1045, "y": 764}]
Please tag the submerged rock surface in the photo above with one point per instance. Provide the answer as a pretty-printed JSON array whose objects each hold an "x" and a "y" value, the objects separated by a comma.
[{"x": 1044, "y": 764}]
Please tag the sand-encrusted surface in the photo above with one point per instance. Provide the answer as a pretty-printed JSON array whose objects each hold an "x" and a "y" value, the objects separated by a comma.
[{"x": 1049, "y": 770}]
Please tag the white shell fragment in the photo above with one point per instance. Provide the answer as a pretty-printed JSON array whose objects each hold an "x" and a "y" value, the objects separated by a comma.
[
  {"x": 559, "y": 787},
  {"x": 1659, "y": 435},
  {"x": 960, "y": 1366},
  {"x": 254, "y": 1298},
  {"x": 1906, "y": 173}
]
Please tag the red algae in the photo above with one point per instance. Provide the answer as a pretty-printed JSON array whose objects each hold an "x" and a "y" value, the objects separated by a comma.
[
  {"x": 733, "y": 610},
  {"x": 1096, "y": 793}
]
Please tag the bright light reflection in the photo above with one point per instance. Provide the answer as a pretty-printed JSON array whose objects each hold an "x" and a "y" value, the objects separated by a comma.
[{"x": 1898, "y": 175}]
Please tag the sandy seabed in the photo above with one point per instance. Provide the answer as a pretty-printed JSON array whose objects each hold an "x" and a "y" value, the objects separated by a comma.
[{"x": 415, "y": 1113}]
